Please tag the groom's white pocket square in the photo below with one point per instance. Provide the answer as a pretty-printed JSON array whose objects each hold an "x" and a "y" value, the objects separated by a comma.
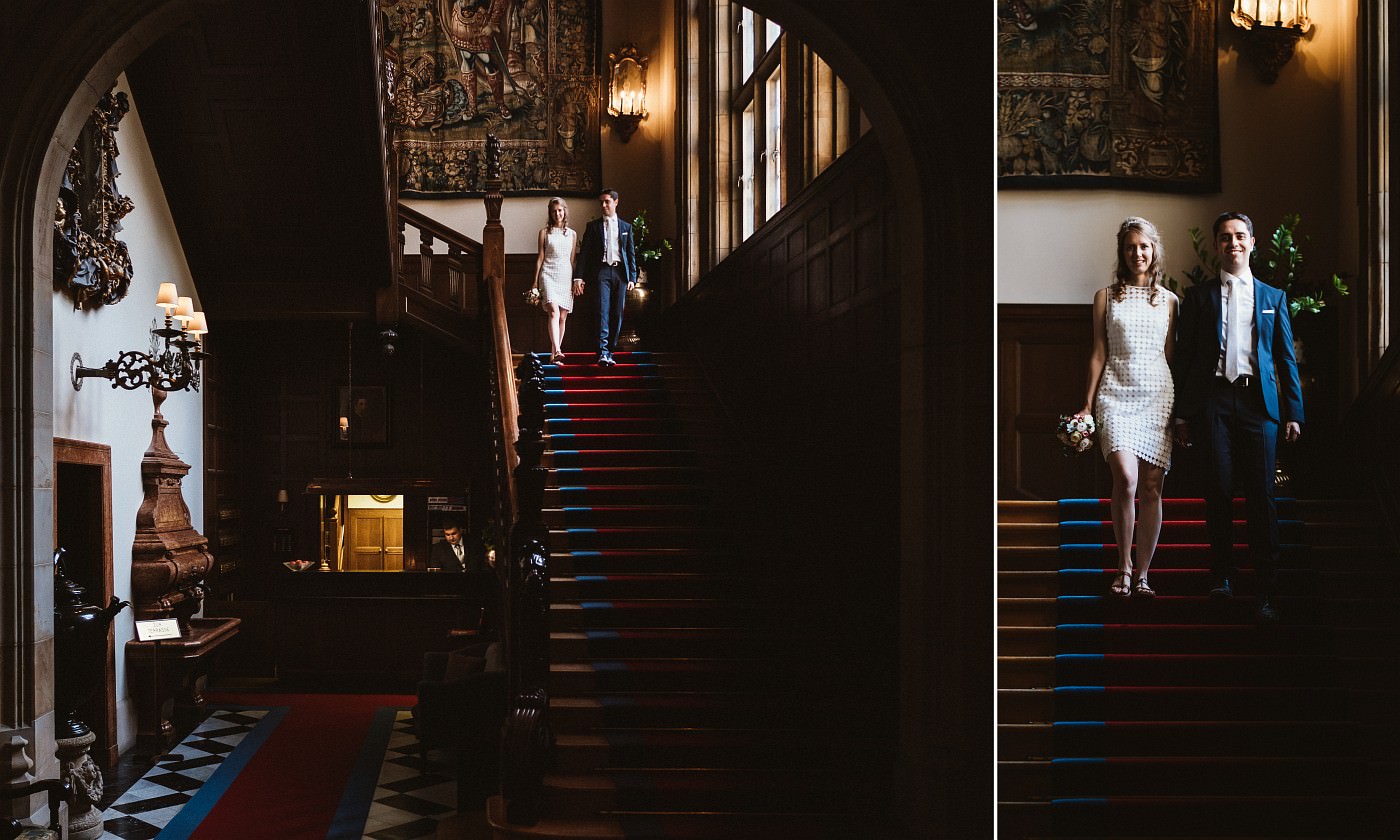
[{"x": 1268, "y": 312}]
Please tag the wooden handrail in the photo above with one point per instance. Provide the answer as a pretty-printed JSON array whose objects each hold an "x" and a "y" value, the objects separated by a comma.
[{"x": 1370, "y": 424}]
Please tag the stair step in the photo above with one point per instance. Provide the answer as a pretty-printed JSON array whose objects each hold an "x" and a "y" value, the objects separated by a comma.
[
  {"x": 1179, "y": 738},
  {"x": 1173, "y": 531},
  {"x": 1177, "y": 581},
  {"x": 658, "y": 408},
  {"x": 625, "y": 475},
  {"x": 568, "y": 456},
  {"x": 649, "y": 585},
  {"x": 1144, "y": 703},
  {"x": 623, "y": 494},
  {"x": 729, "y": 710},
  {"x": 1172, "y": 816},
  {"x": 623, "y": 425},
  {"x": 776, "y": 749},
  {"x": 572, "y": 646},
  {"x": 1180, "y": 776},
  {"x": 644, "y": 825},
  {"x": 1176, "y": 508},
  {"x": 689, "y": 789},
  {"x": 1105, "y": 555},
  {"x": 562, "y": 442},
  {"x": 1019, "y": 510},
  {"x": 1201, "y": 669},
  {"x": 612, "y": 392},
  {"x": 639, "y": 536},
  {"x": 693, "y": 674},
  {"x": 649, "y": 612},
  {"x": 1170, "y": 638},
  {"x": 583, "y": 516},
  {"x": 641, "y": 560}
]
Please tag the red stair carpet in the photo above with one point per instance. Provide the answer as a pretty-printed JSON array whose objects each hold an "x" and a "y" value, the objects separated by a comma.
[
  {"x": 292, "y": 786},
  {"x": 1178, "y": 716},
  {"x": 684, "y": 703}
]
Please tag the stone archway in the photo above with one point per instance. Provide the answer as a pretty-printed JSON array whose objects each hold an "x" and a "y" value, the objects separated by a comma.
[{"x": 59, "y": 65}]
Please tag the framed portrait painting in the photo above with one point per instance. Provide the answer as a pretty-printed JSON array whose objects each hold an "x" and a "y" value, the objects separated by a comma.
[{"x": 361, "y": 416}]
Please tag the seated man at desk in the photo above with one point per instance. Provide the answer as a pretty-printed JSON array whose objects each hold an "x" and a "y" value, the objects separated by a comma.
[{"x": 451, "y": 555}]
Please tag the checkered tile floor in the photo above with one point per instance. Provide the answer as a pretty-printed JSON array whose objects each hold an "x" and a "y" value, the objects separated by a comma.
[
  {"x": 147, "y": 806},
  {"x": 411, "y": 793}
]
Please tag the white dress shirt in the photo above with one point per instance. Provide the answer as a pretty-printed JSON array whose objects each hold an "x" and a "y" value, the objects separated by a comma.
[
  {"x": 1238, "y": 290},
  {"x": 610, "y": 249}
]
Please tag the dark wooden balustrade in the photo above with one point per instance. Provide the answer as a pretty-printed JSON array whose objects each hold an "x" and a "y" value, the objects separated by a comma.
[
  {"x": 528, "y": 745},
  {"x": 1371, "y": 425},
  {"x": 432, "y": 288}
]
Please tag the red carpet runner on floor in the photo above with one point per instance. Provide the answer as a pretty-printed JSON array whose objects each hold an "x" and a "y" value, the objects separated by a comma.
[{"x": 291, "y": 787}]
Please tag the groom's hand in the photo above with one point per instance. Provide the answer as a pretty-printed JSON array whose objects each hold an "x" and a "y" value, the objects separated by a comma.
[
  {"x": 1291, "y": 431},
  {"x": 1182, "y": 432}
]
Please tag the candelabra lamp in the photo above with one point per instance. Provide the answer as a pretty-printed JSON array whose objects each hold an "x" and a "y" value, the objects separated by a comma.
[
  {"x": 1270, "y": 31},
  {"x": 627, "y": 90},
  {"x": 174, "y": 360}
]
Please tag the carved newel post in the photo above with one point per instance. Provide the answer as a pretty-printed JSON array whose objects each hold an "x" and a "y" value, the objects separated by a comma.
[
  {"x": 169, "y": 560},
  {"x": 80, "y": 636}
]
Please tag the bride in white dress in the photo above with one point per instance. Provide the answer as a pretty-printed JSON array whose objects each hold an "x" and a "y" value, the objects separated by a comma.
[
  {"x": 1131, "y": 393},
  {"x": 554, "y": 272}
]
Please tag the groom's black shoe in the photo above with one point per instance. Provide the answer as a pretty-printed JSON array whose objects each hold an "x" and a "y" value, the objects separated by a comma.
[{"x": 1221, "y": 590}]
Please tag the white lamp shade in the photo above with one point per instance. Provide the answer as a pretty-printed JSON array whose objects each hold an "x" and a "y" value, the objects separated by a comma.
[
  {"x": 184, "y": 310},
  {"x": 166, "y": 297},
  {"x": 197, "y": 325}
]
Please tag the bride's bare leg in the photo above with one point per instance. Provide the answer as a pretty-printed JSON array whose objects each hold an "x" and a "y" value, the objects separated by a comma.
[{"x": 1124, "y": 467}]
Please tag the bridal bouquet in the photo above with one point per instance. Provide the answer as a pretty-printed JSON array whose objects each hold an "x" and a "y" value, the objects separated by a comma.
[
  {"x": 1076, "y": 433},
  {"x": 532, "y": 296}
]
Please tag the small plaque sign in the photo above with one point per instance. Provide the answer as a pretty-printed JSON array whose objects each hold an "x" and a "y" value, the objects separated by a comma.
[{"x": 157, "y": 630}]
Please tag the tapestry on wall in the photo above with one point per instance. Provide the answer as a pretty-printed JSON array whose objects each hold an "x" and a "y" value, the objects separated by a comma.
[
  {"x": 523, "y": 70},
  {"x": 1107, "y": 93}
]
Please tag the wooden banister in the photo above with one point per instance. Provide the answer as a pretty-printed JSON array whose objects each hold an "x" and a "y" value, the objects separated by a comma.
[{"x": 1370, "y": 424}]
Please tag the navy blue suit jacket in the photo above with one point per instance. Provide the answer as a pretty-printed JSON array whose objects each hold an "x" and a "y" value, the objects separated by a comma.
[
  {"x": 1198, "y": 349},
  {"x": 590, "y": 253}
]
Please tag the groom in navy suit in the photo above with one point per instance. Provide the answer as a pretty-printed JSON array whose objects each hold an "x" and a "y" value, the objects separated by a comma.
[
  {"x": 1236, "y": 383},
  {"x": 607, "y": 257}
]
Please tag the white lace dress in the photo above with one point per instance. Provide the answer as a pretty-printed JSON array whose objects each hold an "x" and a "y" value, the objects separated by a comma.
[
  {"x": 557, "y": 272},
  {"x": 1134, "y": 404}
]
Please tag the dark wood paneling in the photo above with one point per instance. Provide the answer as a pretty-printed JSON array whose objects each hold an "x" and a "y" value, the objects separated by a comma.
[
  {"x": 1044, "y": 356},
  {"x": 798, "y": 330},
  {"x": 282, "y": 383}
]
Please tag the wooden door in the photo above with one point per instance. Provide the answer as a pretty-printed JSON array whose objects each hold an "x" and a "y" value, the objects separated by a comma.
[{"x": 376, "y": 540}]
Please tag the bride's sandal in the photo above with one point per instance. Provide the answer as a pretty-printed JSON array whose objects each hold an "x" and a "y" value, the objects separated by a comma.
[
  {"x": 1121, "y": 587},
  {"x": 1143, "y": 589}
]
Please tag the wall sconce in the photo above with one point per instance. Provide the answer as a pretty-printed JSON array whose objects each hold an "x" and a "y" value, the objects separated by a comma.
[
  {"x": 174, "y": 359},
  {"x": 1270, "y": 32},
  {"x": 627, "y": 90},
  {"x": 282, "y": 499}
]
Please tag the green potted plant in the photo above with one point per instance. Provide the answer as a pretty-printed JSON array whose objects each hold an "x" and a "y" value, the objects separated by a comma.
[{"x": 647, "y": 251}]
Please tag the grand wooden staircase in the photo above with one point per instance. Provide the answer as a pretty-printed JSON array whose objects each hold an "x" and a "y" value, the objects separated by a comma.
[
  {"x": 683, "y": 701},
  {"x": 1178, "y": 717}
]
